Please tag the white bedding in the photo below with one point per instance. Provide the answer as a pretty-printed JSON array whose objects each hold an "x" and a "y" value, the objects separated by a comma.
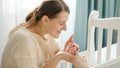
[
  {"x": 113, "y": 53},
  {"x": 115, "y": 63}
]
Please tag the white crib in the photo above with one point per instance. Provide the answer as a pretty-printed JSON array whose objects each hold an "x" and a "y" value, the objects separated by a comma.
[
  {"x": 108, "y": 57},
  {"x": 103, "y": 56}
]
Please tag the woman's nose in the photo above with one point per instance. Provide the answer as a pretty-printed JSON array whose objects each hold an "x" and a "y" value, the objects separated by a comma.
[{"x": 64, "y": 27}]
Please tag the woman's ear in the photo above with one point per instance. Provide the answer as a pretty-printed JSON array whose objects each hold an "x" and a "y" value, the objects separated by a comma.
[{"x": 45, "y": 19}]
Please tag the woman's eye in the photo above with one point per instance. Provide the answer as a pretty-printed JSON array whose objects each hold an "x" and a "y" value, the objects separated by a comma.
[{"x": 61, "y": 23}]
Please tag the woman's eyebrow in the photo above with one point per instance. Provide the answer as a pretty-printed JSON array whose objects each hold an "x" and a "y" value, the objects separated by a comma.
[{"x": 63, "y": 21}]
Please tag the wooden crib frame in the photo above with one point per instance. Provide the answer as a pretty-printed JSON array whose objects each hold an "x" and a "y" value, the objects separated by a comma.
[{"x": 101, "y": 23}]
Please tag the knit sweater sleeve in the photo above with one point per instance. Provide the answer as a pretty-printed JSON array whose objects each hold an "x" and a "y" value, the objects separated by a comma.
[{"x": 25, "y": 52}]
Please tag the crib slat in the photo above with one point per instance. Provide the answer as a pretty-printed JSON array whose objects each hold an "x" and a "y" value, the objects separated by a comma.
[
  {"x": 67, "y": 65},
  {"x": 109, "y": 41},
  {"x": 100, "y": 35},
  {"x": 118, "y": 44},
  {"x": 90, "y": 46}
]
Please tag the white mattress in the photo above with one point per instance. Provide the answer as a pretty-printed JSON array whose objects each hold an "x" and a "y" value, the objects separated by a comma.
[
  {"x": 113, "y": 52},
  {"x": 115, "y": 63}
]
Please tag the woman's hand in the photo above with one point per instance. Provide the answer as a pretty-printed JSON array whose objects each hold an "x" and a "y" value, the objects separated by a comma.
[
  {"x": 65, "y": 56},
  {"x": 71, "y": 47},
  {"x": 73, "y": 53},
  {"x": 77, "y": 60},
  {"x": 80, "y": 62}
]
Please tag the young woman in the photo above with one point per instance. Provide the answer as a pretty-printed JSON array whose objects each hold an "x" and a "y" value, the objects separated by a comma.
[{"x": 33, "y": 45}]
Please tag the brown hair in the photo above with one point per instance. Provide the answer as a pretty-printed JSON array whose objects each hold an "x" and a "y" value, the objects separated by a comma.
[{"x": 49, "y": 8}]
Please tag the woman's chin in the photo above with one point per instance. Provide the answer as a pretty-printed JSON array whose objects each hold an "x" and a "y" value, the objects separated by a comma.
[{"x": 56, "y": 36}]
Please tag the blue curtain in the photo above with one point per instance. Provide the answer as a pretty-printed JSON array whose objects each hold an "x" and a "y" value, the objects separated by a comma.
[
  {"x": 80, "y": 34},
  {"x": 106, "y": 8}
]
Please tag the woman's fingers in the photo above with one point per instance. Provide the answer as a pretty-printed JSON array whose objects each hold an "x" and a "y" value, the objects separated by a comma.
[
  {"x": 77, "y": 46},
  {"x": 68, "y": 41},
  {"x": 69, "y": 45},
  {"x": 75, "y": 49},
  {"x": 72, "y": 48}
]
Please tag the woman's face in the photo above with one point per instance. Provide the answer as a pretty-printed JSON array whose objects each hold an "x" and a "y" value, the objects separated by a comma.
[{"x": 56, "y": 25}]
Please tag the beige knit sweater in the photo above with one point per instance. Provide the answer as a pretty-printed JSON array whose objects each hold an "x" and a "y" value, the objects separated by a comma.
[{"x": 25, "y": 49}]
